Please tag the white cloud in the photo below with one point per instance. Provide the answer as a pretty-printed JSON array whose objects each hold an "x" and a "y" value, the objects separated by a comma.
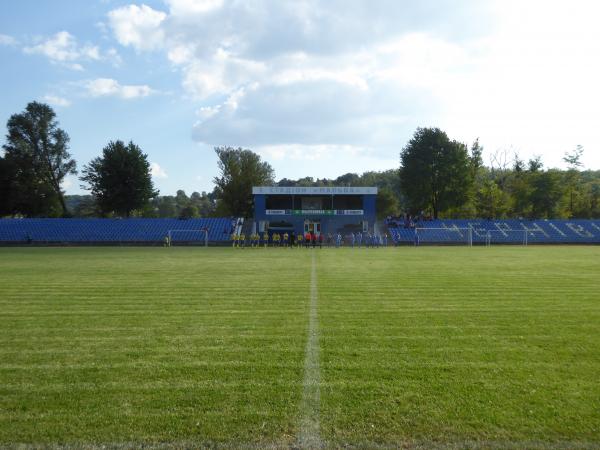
[
  {"x": 138, "y": 26},
  {"x": 531, "y": 84},
  {"x": 107, "y": 87},
  {"x": 63, "y": 48},
  {"x": 180, "y": 54},
  {"x": 317, "y": 76},
  {"x": 55, "y": 100},
  {"x": 113, "y": 55},
  {"x": 7, "y": 40},
  {"x": 306, "y": 72},
  {"x": 222, "y": 74},
  {"x": 157, "y": 171},
  {"x": 190, "y": 7},
  {"x": 321, "y": 161}
]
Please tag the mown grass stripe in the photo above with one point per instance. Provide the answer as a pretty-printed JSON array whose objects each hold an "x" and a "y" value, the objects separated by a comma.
[{"x": 309, "y": 436}]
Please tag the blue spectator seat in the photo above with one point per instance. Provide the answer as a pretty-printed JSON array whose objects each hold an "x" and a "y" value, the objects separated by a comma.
[
  {"x": 113, "y": 230},
  {"x": 505, "y": 231}
]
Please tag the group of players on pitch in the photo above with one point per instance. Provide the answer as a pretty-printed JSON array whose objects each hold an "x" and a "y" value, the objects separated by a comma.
[{"x": 291, "y": 240}]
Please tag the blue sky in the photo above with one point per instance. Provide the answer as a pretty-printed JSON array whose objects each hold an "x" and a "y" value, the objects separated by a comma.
[{"x": 318, "y": 88}]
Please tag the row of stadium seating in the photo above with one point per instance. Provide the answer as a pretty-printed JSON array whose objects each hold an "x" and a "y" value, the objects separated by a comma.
[
  {"x": 219, "y": 229},
  {"x": 113, "y": 230},
  {"x": 510, "y": 231}
]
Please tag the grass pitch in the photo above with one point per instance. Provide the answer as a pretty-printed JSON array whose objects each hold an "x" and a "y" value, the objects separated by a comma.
[{"x": 430, "y": 346}]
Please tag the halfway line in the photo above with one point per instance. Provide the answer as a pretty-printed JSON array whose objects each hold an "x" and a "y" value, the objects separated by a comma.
[{"x": 309, "y": 436}]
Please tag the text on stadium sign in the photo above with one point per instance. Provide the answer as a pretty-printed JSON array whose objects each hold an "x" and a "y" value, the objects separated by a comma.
[
  {"x": 314, "y": 212},
  {"x": 297, "y": 190}
]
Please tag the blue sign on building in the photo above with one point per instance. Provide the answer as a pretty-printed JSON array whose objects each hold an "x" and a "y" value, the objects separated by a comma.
[{"x": 314, "y": 209}]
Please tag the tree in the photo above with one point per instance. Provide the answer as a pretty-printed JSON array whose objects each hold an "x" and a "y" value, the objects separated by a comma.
[
  {"x": 165, "y": 206},
  {"x": 40, "y": 150},
  {"x": 348, "y": 179},
  {"x": 519, "y": 188},
  {"x": 239, "y": 171},
  {"x": 81, "y": 205},
  {"x": 188, "y": 212},
  {"x": 436, "y": 173},
  {"x": 573, "y": 159},
  {"x": 30, "y": 195},
  {"x": 594, "y": 200},
  {"x": 205, "y": 203},
  {"x": 535, "y": 164},
  {"x": 120, "y": 180},
  {"x": 572, "y": 176},
  {"x": 546, "y": 193},
  {"x": 476, "y": 159},
  {"x": 6, "y": 187},
  {"x": 386, "y": 203},
  {"x": 491, "y": 201}
]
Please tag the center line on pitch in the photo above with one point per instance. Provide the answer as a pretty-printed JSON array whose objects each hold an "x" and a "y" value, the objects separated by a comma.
[{"x": 311, "y": 395}]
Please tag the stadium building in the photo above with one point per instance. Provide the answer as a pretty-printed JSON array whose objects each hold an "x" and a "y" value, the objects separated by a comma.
[{"x": 314, "y": 209}]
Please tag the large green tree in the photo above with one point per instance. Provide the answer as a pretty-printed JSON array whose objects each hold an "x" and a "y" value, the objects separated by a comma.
[
  {"x": 204, "y": 203},
  {"x": 120, "y": 179},
  {"x": 573, "y": 176},
  {"x": 386, "y": 203},
  {"x": 519, "y": 189},
  {"x": 547, "y": 190},
  {"x": 239, "y": 170},
  {"x": 38, "y": 150},
  {"x": 6, "y": 187},
  {"x": 490, "y": 201},
  {"x": 436, "y": 173}
]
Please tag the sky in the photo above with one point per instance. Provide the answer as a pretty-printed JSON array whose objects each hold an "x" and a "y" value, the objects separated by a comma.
[{"x": 317, "y": 88}]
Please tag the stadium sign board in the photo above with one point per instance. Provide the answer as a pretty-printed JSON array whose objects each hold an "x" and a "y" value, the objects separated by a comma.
[
  {"x": 298, "y": 190},
  {"x": 314, "y": 212}
]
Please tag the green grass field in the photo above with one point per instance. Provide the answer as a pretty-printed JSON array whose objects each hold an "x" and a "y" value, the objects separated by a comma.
[{"x": 416, "y": 347}]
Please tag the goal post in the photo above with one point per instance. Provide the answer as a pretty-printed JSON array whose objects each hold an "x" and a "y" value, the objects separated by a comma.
[
  {"x": 456, "y": 236},
  {"x": 189, "y": 237},
  {"x": 514, "y": 237}
]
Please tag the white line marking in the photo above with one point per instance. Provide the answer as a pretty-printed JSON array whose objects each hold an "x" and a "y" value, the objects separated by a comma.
[{"x": 311, "y": 396}]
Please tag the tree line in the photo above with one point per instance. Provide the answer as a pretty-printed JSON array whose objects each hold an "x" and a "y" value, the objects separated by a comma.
[
  {"x": 36, "y": 161},
  {"x": 437, "y": 176}
]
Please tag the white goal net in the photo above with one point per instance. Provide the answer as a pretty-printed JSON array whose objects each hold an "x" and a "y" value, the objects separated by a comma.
[
  {"x": 515, "y": 237},
  {"x": 188, "y": 237}
]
